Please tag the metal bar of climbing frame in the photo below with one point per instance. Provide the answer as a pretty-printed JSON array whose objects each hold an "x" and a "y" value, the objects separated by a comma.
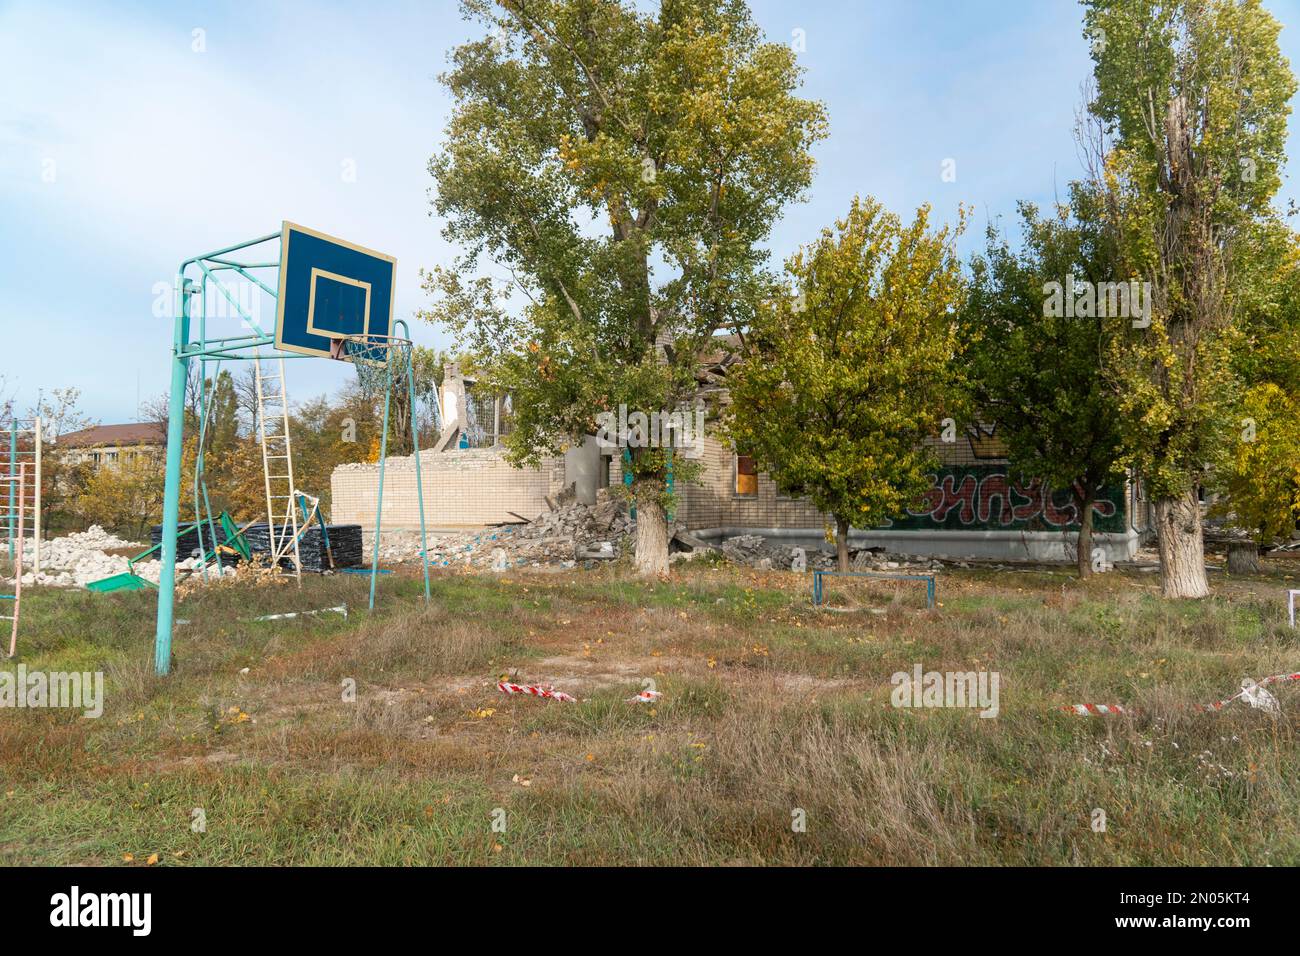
[
  {"x": 18, "y": 567},
  {"x": 36, "y": 507},
  {"x": 13, "y": 465}
]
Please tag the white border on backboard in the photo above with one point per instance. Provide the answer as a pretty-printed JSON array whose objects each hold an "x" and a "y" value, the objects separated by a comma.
[
  {"x": 312, "y": 326},
  {"x": 285, "y": 228}
]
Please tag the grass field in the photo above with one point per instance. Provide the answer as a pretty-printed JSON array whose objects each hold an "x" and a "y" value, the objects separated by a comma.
[{"x": 771, "y": 712}]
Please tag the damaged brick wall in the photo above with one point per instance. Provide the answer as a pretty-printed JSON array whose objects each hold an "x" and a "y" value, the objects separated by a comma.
[{"x": 462, "y": 488}]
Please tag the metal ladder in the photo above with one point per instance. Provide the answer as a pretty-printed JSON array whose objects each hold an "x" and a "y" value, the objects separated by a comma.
[
  {"x": 16, "y": 482},
  {"x": 277, "y": 463}
]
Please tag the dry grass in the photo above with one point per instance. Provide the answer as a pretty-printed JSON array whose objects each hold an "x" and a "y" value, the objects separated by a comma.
[{"x": 774, "y": 740}]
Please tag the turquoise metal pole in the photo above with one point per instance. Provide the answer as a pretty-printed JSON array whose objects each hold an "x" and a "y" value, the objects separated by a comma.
[
  {"x": 13, "y": 470},
  {"x": 627, "y": 479},
  {"x": 162, "y": 648},
  {"x": 669, "y": 483},
  {"x": 379, "y": 510},
  {"x": 415, "y": 445}
]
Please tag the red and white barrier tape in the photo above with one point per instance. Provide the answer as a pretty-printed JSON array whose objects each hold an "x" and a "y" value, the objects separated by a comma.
[
  {"x": 1251, "y": 690},
  {"x": 535, "y": 690},
  {"x": 1088, "y": 710},
  {"x": 547, "y": 691}
]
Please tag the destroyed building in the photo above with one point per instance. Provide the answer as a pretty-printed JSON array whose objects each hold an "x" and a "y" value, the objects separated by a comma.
[{"x": 976, "y": 506}]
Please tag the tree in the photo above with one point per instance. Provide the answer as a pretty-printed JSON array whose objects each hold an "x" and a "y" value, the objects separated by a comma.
[
  {"x": 842, "y": 381},
  {"x": 61, "y": 479},
  {"x": 625, "y": 169},
  {"x": 125, "y": 498},
  {"x": 1036, "y": 369},
  {"x": 1260, "y": 474},
  {"x": 1256, "y": 479},
  {"x": 1191, "y": 105},
  {"x": 427, "y": 369}
]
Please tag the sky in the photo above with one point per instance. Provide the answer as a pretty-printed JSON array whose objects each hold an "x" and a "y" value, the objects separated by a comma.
[{"x": 134, "y": 135}]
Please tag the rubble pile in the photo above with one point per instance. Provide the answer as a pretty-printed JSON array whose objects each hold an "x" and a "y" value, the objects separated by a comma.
[
  {"x": 755, "y": 551},
  {"x": 571, "y": 533},
  {"x": 576, "y": 533},
  {"x": 76, "y": 559}
]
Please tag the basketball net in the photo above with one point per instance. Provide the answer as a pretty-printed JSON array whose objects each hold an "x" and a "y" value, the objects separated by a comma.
[{"x": 380, "y": 361}]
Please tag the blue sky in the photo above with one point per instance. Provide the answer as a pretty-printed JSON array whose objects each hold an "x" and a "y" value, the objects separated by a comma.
[{"x": 124, "y": 151}]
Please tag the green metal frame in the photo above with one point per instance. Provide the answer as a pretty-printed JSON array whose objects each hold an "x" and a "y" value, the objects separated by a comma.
[
  {"x": 205, "y": 349},
  {"x": 929, "y": 579}
]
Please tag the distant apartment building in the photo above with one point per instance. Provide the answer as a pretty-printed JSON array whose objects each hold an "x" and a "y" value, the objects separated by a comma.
[{"x": 111, "y": 445}]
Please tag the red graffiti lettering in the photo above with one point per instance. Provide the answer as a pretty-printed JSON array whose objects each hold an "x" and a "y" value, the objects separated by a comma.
[
  {"x": 963, "y": 495},
  {"x": 995, "y": 488}
]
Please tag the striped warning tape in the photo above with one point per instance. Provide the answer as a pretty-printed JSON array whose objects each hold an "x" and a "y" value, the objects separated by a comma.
[
  {"x": 1085, "y": 710},
  {"x": 535, "y": 690},
  {"x": 1252, "y": 691}
]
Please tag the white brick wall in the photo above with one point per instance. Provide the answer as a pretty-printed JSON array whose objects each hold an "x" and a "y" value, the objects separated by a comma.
[{"x": 462, "y": 488}]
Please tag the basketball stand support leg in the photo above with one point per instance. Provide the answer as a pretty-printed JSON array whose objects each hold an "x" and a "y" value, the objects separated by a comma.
[{"x": 162, "y": 647}]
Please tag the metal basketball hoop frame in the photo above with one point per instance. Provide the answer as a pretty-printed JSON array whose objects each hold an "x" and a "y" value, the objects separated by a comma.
[{"x": 382, "y": 362}]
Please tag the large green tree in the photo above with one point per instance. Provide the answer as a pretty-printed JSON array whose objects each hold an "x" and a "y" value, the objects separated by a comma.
[
  {"x": 842, "y": 381},
  {"x": 1035, "y": 369},
  {"x": 1191, "y": 106},
  {"x": 625, "y": 168},
  {"x": 1257, "y": 474}
]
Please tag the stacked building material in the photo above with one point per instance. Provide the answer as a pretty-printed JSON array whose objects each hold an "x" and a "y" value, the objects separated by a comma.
[
  {"x": 345, "y": 541},
  {"x": 187, "y": 543}
]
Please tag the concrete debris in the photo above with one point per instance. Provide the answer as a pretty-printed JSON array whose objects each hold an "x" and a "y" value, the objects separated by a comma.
[
  {"x": 604, "y": 551},
  {"x": 76, "y": 559},
  {"x": 686, "y": 539},
  {"x": 755, "y": 551},
  {"x": 744, "y": 549},
  {"x": 575, "y": 533},
  {"x": 572, "y": 532}
]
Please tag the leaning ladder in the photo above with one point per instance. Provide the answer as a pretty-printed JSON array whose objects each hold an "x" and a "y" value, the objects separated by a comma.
[
  {"x": 18, "y": 482},
  {"x": 277, "y": 463}
]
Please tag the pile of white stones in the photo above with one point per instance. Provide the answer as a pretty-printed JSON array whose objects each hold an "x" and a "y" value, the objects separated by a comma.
[{"x": 77, "y": 559}]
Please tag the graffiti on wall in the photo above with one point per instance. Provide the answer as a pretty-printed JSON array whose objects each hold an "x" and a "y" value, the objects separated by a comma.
[{"x": 988, "y": 498}]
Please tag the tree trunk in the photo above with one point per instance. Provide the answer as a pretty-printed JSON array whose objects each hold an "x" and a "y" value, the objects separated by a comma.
[
  {"x": 651, "y": 538},
  {"x": 1084, "y": 542},
  {"x": 1182, "y": 549},
  {"x": 842, "y": 543},
  {"x": 1243, "y": 557}
]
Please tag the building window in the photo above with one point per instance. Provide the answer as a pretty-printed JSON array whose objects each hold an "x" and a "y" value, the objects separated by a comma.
[{"x": 746, "y": 477}]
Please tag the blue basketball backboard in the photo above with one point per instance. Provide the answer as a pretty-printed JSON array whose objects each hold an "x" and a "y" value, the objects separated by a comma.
[{"x": 330, "y": 289}]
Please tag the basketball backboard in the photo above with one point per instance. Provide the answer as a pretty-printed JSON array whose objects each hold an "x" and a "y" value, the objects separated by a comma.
[{"x": 330, "y": 289}]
